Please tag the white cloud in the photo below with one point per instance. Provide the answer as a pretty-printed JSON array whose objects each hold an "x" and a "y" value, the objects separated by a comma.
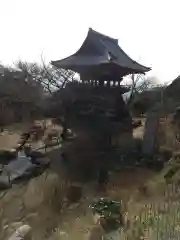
[{"x": 147, "y": 30}]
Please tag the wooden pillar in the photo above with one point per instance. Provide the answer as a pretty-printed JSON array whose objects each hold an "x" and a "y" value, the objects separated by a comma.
[
  {"x": 101, "y": 83},
  {"x": 108, "y": 84}
]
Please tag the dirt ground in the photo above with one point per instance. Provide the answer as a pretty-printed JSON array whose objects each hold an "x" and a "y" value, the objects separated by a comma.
[{"x": 9, "y": 140}]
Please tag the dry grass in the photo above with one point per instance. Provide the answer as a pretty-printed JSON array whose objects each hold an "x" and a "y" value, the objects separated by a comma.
[
  {"x": 151, "y": 214},
  {"x": 150, "y": 204},
  {"x": 154, "y": 218},
  {"x": 167, "y": 135},
  {"x": 157, "y": 214},
  {"x": 37, "y": 203},
  {"x": 40, "y": 203}
]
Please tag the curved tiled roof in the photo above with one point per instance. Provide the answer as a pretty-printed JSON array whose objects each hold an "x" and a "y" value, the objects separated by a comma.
[{"x": 99, "y": 54}]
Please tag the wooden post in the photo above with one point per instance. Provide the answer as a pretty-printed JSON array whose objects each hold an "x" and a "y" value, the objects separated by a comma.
[{"x": 150, "y": 133}]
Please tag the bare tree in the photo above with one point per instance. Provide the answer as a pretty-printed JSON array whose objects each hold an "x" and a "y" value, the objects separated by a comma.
[
  {"x": 20, "y": 96},
  {"x": 139, "y": 83},
  {"x": 50, "y": 78},
  {"x": 145, "y": 93}
]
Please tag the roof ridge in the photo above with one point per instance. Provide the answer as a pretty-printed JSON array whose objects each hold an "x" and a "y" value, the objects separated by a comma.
[
  {"x": 102, "y": 35},
  {"x": 116, "y": 42}
]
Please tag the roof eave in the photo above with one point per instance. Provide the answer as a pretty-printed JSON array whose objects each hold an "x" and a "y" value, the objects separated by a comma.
[{"x": 135, "y": 66}]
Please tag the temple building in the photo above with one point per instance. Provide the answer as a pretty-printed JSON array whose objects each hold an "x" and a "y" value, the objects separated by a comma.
[{"x": 94, "y": 105}]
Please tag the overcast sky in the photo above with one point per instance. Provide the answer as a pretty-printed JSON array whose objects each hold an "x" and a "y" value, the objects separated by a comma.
[{"x": 148, "y": 30}]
